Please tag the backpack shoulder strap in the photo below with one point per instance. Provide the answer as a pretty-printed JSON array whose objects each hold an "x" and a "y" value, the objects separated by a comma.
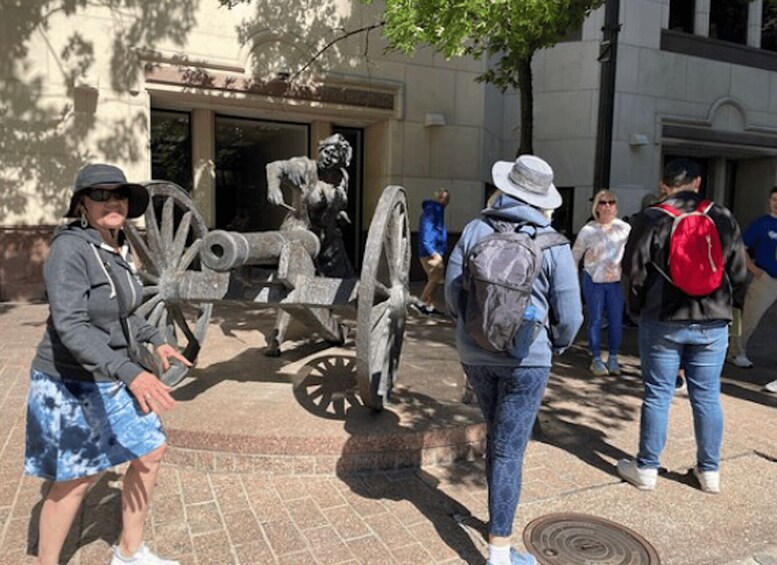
[
  {"x": 704, "y": 206},
  {"x": 549, "y": 239},
  {"x": 668, "y": 209}
]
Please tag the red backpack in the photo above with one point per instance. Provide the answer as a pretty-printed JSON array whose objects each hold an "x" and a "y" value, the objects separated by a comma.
[{"x": 695, "y": 253}]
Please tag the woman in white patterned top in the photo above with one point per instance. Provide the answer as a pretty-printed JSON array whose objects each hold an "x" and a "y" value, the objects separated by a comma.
[{"x": 600, "y": 244}]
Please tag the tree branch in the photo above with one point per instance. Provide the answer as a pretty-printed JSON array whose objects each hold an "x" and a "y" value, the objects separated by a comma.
[{"x": 329, "y": 44}]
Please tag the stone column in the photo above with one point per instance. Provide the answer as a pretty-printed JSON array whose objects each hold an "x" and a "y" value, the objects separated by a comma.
[
  {"x": 664, "y": 13},
  {"x": 318, "y": 130},
  {"x": 717, "y": 191},
  {"x": 203, "y": 164},
  {"x": 754, "y": 23},
  {"x": 701, "y": 22}
]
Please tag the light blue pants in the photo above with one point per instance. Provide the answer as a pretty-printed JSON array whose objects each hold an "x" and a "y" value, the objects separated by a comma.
[{"x": 701, "y": 349}]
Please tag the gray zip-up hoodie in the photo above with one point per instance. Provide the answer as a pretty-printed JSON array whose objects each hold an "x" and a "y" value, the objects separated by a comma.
[{"x": 84, "y": 339}]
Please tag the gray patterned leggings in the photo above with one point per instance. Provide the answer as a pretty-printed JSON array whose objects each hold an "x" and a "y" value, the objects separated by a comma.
[{"x": 509, "y": 399}]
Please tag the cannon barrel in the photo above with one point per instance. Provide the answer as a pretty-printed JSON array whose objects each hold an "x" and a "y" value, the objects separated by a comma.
[{"x": 224, "y": 250}]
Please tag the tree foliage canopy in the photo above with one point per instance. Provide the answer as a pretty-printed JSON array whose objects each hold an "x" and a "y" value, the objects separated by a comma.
[{"x": 510, "y": 30}]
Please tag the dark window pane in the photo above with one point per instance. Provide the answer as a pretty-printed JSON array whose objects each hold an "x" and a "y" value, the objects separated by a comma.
[
  {"x": 681, "y": 14},
  {"x": 769, "y": 29},
  {"x": 573, "y": 35},
  {"x": 171, "y": 148},
  {"x": 728, "y": 20},
  {"x": 244, "y": 147}
]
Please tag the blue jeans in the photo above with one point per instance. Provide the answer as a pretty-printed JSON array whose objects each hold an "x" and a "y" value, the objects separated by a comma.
[
  {"x": 598, "y": 298},
  {"x": 701, "y": 349},
  {"x": 509, "y": 399}
]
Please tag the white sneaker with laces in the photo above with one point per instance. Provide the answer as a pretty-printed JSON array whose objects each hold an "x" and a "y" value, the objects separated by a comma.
[
  {"x": 143, "y": 556},
  {"x": 741, "y": 361},
  {"x": 643, "y": 479},
  {"x": 709, "y": 480}
]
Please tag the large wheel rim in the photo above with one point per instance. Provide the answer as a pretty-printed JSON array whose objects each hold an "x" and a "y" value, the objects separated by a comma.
[
  {"x": 383, "y": 298},
  {"x": 168, "y": 248}
]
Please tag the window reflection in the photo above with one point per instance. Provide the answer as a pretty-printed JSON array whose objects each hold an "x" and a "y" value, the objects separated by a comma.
[
  {"x": 244, "y": 147},
  {"x": 728, "y": 20},
  {"x": 171, "y": 147}
]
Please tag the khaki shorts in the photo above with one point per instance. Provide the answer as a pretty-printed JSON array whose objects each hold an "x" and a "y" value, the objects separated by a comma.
[{"x": 434, "y": 267}]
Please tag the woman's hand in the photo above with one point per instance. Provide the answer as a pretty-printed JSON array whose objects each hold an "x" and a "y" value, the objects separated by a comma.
[
  {"x": 166, "y": 351},
  {"x": 152, "y": 394},
  {"x": 436, "y": 260}
]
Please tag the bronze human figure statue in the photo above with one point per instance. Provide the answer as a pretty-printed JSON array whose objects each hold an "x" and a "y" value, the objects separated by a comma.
[{"x": 319, "y": 198}]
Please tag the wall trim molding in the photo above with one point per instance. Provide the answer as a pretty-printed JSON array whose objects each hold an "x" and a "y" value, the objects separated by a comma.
[{"x": 717, "y": 50}]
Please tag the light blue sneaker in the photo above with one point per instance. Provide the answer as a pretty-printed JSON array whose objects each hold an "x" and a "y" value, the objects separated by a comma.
[
  {"x": 517, "y": 558},
  {"x": 521, "y": 558},
  {"x": 598, "y": 368}
]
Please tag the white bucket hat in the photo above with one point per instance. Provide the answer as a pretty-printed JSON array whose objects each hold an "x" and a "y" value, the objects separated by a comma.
[{"x": 529, "y": 179}]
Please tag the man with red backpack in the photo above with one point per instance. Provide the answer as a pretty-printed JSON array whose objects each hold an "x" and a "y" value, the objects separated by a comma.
[{"x": 684, "y": 268}]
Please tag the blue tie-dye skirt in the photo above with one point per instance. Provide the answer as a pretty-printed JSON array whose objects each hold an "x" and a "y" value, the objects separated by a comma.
[{"x": 79, "y": 428}]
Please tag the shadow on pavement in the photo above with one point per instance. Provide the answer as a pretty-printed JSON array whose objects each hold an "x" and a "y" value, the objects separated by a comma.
[
  {"x": 428, "y": 508},
  {"x": 99, "y": 518}
]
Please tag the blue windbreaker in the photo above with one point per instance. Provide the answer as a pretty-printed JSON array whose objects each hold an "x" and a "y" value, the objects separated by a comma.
[{"x": 432, "y": 235}]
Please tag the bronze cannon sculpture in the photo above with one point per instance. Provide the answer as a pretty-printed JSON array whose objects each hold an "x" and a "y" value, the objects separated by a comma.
[{"x": 186, "y": 270}]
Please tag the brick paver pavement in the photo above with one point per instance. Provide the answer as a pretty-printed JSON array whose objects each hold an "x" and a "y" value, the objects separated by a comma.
[{"x": 428, "y": 515}]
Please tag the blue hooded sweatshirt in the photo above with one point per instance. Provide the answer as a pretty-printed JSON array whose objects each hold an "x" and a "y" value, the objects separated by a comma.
[
  {"x": 555, "y": 294},
  {"x": 432, "y": 235}
]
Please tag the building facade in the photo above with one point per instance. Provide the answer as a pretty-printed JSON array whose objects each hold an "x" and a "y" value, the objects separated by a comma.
[
  {"x": 206, "y": 96},
  {"x": 693, "y": 78}
]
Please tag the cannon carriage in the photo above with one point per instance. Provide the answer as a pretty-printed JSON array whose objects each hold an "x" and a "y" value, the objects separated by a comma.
[{"x": 186, "y": 269}]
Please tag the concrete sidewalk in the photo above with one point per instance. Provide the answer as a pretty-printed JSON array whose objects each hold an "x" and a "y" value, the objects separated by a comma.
[{"x": 265, "y": 454}]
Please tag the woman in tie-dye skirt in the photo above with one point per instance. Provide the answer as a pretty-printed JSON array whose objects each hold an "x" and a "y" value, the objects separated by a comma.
[{"x": 90, "y": 406}]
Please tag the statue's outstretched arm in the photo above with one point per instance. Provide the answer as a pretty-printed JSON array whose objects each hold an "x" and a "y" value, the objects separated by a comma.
[{"x": 295, "y": 171}]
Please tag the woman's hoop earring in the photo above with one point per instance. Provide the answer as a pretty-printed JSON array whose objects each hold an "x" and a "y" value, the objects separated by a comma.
[{"x": 84, "y": 221}]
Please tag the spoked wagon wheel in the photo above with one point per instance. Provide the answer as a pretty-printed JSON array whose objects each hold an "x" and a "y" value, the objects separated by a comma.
[
  {"x": 168, "y": 248},
  {"x": 383, "y": 297}
]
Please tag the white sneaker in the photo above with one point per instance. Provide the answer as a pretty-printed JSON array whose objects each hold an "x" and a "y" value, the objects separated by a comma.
[
  {"x": 143, "y": 556},
  {"x": 741, "y": 361},
  {"x": 771, "y": 387},
  {"x": 643, "y": 479},
  {"x": 709, "y": 480}
]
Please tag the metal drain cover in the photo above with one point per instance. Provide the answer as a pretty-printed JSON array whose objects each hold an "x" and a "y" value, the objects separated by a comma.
[{"x": 578, "y": 539}]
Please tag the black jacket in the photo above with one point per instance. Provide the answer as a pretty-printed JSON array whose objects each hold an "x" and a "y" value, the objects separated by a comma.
[{"x": 650, "y": 296}]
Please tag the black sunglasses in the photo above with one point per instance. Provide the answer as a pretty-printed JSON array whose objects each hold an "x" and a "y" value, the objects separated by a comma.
[
  {"x": 606, "y": 203},
  {"x": 105, "y": 194}
]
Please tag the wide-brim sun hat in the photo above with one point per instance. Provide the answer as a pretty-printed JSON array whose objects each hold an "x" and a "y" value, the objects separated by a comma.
[
  {"x": 110, "y": 177},
  {"x": 529, "y": 179}
]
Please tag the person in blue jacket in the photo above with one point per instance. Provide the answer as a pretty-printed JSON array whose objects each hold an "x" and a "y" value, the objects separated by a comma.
[
  {"x": 509, "y": 388},
  {"x": 432, "y": 246}
]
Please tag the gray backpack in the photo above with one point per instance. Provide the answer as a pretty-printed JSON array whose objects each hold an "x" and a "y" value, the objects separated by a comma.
[{"x": 499, "y": 272}]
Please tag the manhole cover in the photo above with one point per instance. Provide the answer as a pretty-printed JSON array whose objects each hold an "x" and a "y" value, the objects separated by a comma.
[{"x": 577, "y": 539}]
